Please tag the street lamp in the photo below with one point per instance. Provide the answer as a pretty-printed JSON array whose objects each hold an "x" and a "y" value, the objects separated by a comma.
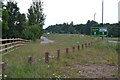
[
  {"x": 102, "y": 14},
  {"x": 94, "y": 16},
  {"x": 102, "y": 11}
]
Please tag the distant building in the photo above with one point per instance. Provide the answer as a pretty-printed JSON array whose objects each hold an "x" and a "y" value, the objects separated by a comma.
[{"x": 119, "y": 11}]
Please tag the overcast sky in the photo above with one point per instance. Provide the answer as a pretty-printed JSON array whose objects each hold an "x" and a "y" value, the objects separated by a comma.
[{"x": 78, "y": 11}]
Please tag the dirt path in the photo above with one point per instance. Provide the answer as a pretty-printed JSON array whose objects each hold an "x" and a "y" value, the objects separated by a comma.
[
  {"x": 97, "y": 70},
  {"x": 46, "y": 40}
]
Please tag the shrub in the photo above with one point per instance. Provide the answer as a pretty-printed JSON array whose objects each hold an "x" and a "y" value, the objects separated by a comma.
[{"x": 32, "y": 32}]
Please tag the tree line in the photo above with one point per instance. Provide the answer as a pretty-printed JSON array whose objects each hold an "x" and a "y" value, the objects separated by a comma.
[
  {"x": 65, "y": 28},
  {"x": 26, "y": 26}
]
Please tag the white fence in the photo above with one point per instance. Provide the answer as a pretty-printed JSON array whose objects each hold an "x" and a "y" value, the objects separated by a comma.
[{"x": 8, "y": 45}]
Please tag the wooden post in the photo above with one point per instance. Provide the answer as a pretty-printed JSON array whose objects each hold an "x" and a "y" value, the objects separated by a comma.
[
  {"x": 6, "y": 45},
  {"x": 0, "y": 47},
  {"x": 73, "y": 49},
  {"x": 19, "y": 42},
  {"x": 91, "y": 42},
  {"x": 47, "y": 57},
  {"x": 4, "y": 67},
  {"x": 82, "y": 46},
  {"x": 88, "y": 44},
  {"x": 30, "y": 60},
  {"x": 85, "y": 45},
  {"x": 58, "y": 54},
  {"x": 67, "y": 50},
  {"x": 13, "y": 42},
  {"x": 10, "y": 41},
  {"x": 78, "y": 47}
]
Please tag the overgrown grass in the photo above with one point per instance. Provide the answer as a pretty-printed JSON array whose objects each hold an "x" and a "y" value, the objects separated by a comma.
[
  {"x": 99, "y": 53},
  {"x": 112, "y": 39}
]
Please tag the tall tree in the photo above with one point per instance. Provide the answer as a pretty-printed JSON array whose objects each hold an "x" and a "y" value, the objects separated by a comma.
[
  {"x": 1, "y": 8},
  {"x": 0, "y": 19},
  {"x": 5, "y": 27},
  {"x": 35, "y": 14},
  {"x": 13, "y": 20}
]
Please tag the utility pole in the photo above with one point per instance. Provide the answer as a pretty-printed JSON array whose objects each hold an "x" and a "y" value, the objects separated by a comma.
[
  {"x": 102, "y": 14},
  {"x": 94, "y": 16}
]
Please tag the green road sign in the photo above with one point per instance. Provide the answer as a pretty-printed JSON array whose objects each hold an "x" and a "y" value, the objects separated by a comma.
[{"x": 99, "y": 31}]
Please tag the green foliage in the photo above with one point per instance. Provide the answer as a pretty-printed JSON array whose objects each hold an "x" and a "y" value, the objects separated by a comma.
[
  {"x": 5, "y": 27},
  {"x": 18, "y": 24},
  {"x": 1, "y": 8},
  {"x": 32, "y": 32},
  {"x": 10, "y": 18},
  {"x": 71, "y": 28},
  {"x": 65, "y": 28},
  {"x": 4, "y": 22},
  {"x": 35, "y": 14}
]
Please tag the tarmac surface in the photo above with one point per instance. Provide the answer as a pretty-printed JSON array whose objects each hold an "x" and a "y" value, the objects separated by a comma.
[{"x": 46, "y": 40}]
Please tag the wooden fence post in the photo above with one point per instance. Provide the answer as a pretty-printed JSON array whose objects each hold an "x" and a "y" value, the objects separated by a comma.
[
  {"x": 67, "y": 50},
  {"x": 13, "y": 42},
  {"x": 58, "y": 54},
  {"x": 4, "y": 67},
  {"x": 19, "y": 42},
  {"x": 85, "y": 45},
  {"x": 47, "y": 57},
  {"x": 73, "y": 49},
  {"x": 82, "y": 46},
  {"x": 78, "y": 47},
  {"x": 6, "y": 45},
  {"x": 91, "y": 42},
  {"x": 30, "y": 60},
  {"x": 88, "y": 44},
  {"x": 0, "y": 47},
  {"x": 10, "y": 41}
]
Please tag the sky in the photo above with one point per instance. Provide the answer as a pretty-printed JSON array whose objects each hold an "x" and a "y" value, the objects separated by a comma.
[{"x": 78, "y": 11}]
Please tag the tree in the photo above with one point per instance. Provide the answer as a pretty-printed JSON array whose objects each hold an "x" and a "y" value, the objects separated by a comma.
[
  {"x": 1, "y": 19},
  {"x": 14, "y": 19},
  {"x": 5, "y": 27},
  {"x": 90, "y": 24},
  {"x": 35, "y": 14},
  {"x": 32, "y": 32},
  {"x": 71, "y": 30}
]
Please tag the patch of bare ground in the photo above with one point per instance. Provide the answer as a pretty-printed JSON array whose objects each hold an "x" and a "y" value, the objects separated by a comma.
[{"x": 97, "y": 71}]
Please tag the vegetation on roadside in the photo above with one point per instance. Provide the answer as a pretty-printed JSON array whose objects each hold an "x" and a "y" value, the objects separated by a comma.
[
  {"x": 15, "y": 24},
  {"x": 100, "y": 52},
  {"x": 66, "y": 28}
]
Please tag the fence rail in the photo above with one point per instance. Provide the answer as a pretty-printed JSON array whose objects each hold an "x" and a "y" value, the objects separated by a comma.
[{"x": 8, "y": 45}]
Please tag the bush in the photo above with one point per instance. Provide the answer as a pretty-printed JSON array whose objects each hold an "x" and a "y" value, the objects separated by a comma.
[{"x": 32, "y": 32}]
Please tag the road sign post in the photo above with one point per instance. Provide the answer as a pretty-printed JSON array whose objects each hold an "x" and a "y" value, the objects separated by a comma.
[{"x": 99, "y": 31}]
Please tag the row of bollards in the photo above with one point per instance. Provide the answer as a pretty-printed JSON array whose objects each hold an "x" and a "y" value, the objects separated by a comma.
[
  {"x": 67, "y": 51},
  {"x": 30, "y": 58}
]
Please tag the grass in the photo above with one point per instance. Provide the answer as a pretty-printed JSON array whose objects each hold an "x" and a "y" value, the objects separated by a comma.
[
  {"x": 99, "y": 53},
  {"x": 112, "y": 39}
]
